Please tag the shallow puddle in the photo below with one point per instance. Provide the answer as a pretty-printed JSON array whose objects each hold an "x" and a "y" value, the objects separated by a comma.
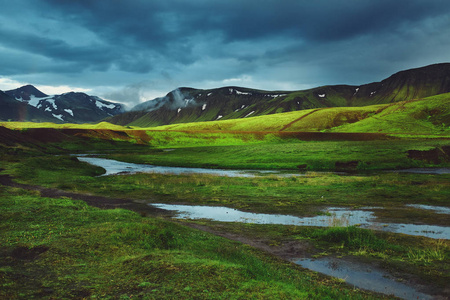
[
  {"x": 437, "y": 209},
  {"x": 361, "y": 276},
  {"x": 437, "y": 171},
  {"x": 334, "y": 217}
]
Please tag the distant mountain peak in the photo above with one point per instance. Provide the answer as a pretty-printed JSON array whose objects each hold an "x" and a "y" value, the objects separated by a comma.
[
  {"x": 73, "y": 107},
  {"x": 26, "y": 92}
]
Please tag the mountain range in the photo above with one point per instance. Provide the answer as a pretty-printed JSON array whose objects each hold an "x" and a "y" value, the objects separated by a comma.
[
  {"x": 27, "y": 103},
  {"x": 185, "y": 104}
]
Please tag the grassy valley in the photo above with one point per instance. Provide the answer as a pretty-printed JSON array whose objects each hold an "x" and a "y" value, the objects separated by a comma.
[
  {"x": 68, "y": 232},
  {"x": 63, "y": 248}
]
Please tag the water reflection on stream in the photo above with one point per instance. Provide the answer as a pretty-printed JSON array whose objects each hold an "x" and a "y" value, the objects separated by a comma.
[
  {"x": 334, "y": 217},
  {"x": 363, "y": 218},
  {"x": 358, "y": 275},
  {"x": 361, "y": 276},
  {"x": 437, "y": 209},
  {"x": 114, "y": 167},
  {"x": 355, "y": 274}
]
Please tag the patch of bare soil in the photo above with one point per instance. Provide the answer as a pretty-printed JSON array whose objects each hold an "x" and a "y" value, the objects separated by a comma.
[
  {"x": 306, "y": 136},
  {"x": 435, "y": 155},
  {"x": 45, "y": 135}
]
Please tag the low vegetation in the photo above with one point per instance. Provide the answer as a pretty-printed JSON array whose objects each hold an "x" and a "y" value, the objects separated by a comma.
[{"x": 61, "y": 248}]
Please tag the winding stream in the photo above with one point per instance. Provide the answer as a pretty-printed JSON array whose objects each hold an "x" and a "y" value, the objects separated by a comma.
[
  {"x": 335, "y": 217},
  {"x": 114, "y": 167},
  {"x": 359, "y": 275},
  {"x": 363, "y": 217}
]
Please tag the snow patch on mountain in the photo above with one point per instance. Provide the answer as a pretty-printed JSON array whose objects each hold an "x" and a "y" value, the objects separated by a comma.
[
  {"x": 52, "y": 102},
  {"x": 250, "y": 113},
  {"x": 242, "y": 107},
  {"x": 69, "y": 111},
  {"x": 102, "y": 105},
  {"x": 60, "y": 117},
  {"x": 242, "y": 93},
  {"x": 276, "y": 95}
]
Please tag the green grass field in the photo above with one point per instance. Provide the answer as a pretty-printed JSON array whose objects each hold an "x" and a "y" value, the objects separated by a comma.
[
  {"x": 141, "y": 254},
  {"x": 64, "y": 249},
  {"x": 425, "y": 116},
  {"x": 292, "y": 155}
]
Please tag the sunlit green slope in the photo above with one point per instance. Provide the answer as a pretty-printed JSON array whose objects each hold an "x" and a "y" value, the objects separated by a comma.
[
  {"x": 425, "y": 116},
  {"x": 21, "y": 125}
]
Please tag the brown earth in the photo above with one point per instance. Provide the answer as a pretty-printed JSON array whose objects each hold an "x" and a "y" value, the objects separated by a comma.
[
  {"x": 302, "y": 135},
  {"x": 38, "y": 136},
  {"x": 435, "y": 155}
]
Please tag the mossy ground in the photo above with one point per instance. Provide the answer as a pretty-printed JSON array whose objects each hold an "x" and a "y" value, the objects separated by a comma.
[{"x": 64, "y": 249}]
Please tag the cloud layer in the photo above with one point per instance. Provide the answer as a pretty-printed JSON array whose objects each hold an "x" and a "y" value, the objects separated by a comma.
[{"x": 134, "y": 50}]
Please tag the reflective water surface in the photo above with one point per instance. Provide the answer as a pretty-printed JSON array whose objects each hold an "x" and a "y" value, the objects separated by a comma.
[
  {"x": 363, "y": 217},
  {"x": 361, "y": 276},
  {"x": 114, "y": 167},
  {"x": 425, "y": 171},
  {"x": 437, "y": 209},
  {"x": 355, "y": 274},
  {"x": 335, "y": 217}
]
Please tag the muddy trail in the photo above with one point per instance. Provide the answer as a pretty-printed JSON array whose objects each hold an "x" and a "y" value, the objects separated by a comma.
[{"x": 287, "y": 250}]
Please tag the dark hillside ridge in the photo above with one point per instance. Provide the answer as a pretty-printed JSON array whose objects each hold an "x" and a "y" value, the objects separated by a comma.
[
  {"x": 185, "y": 105},
  {"x": 406, "y": 85},
  {"x": 13, "y": 110},
  {"x": 29, "y": 104},
  {"x": 26, "y": 92}
]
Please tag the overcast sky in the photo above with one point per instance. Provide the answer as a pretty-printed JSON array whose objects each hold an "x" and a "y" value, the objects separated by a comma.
[{"x": 134, "y": 50}]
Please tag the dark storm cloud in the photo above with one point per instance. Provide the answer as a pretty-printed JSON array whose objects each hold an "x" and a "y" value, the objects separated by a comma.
[
  {"x": 54, "y": 48},
  {"x": 313, "y": 42}
]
